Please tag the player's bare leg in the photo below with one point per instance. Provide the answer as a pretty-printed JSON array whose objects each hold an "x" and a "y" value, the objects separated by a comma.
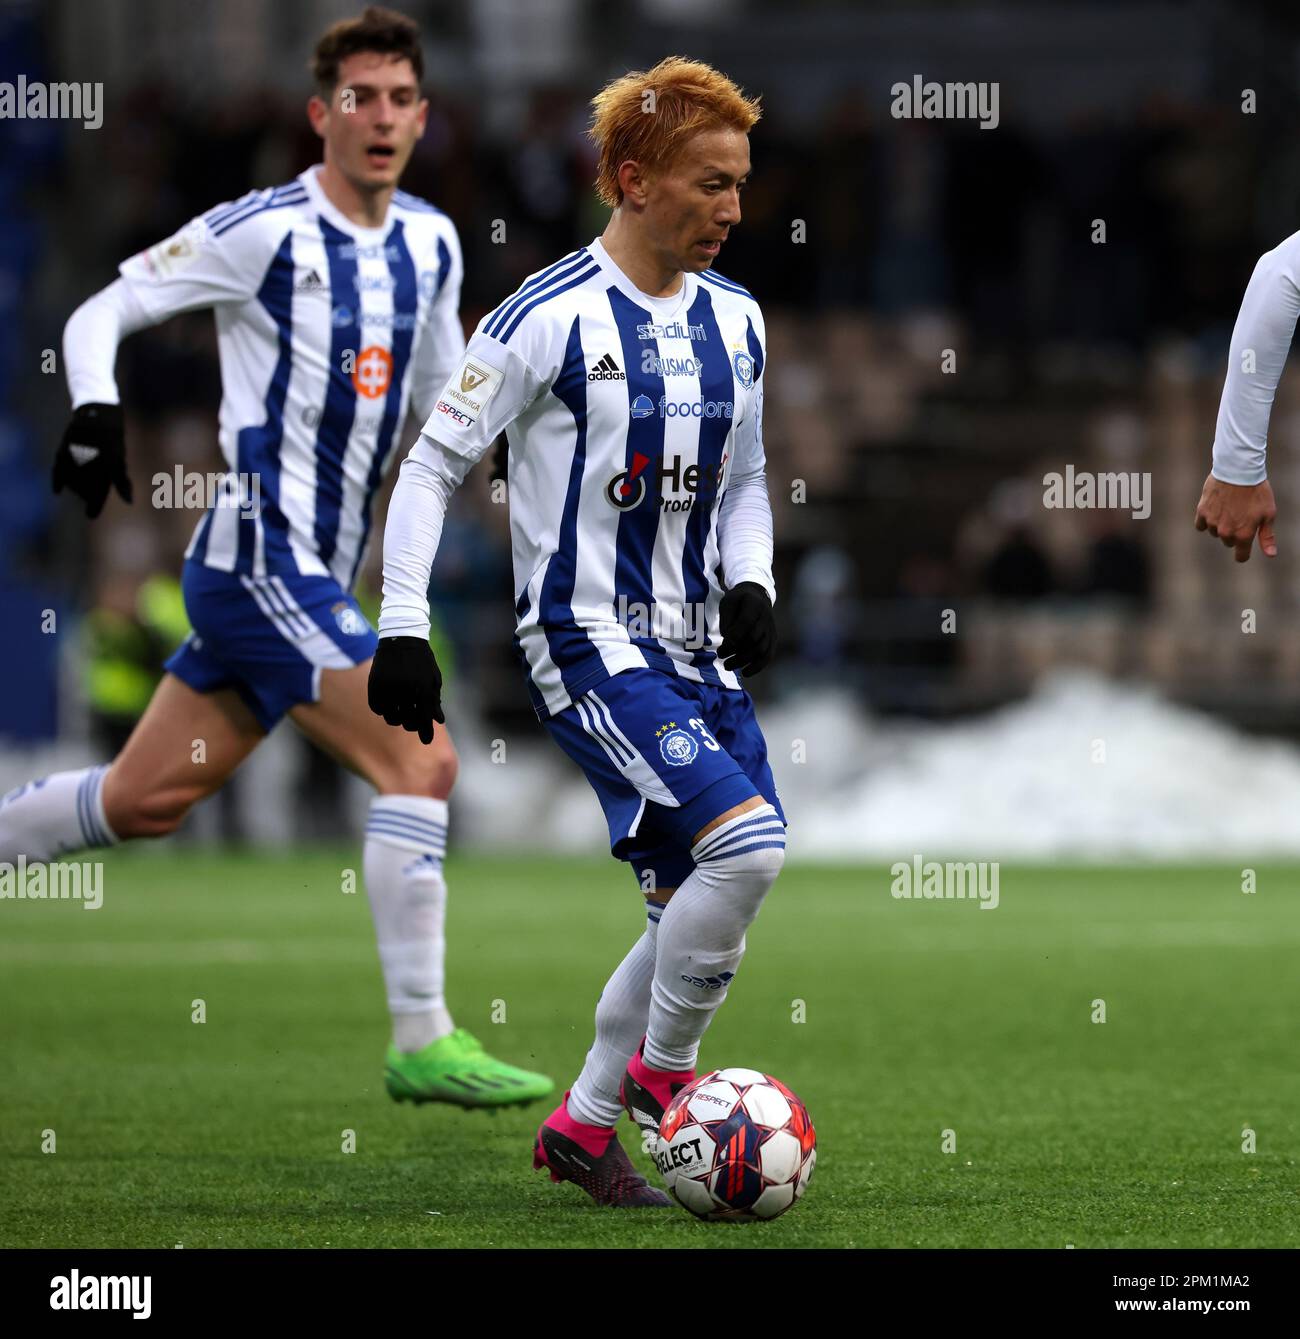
[
  {"x": 430, "y": 1059},
  {"x": 182, "y": 749}
]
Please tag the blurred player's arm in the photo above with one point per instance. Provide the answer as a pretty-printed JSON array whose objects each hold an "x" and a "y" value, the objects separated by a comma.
[
  {"x": 441, "y": 345},
  {"x": 1237, "y": 500},
  {"x": 191, "y": 270},
  {"x": 745, "y": 615},
  {"x": 489, "y": 388}
]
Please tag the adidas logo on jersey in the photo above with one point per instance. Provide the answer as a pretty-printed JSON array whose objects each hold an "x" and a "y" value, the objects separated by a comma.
[
  {"x": 606, "y": 370},
  {"x": 309, "y": 283}
]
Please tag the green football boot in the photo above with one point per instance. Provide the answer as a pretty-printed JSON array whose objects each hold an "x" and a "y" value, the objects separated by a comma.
[{"x": 457, "y": 1069}]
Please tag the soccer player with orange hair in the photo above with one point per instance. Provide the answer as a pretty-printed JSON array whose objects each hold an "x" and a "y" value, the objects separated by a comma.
[{"x": 628, "y": 380}]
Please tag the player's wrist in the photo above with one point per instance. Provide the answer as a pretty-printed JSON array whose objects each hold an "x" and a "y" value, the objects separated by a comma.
[{"x": 1238, "y": 478}]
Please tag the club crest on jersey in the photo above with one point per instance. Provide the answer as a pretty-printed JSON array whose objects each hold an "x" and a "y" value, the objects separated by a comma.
[
  {"x": 744, "y": 366},
  {"x": 350, "y": 623},
  {"x": 677, "y": 746}
]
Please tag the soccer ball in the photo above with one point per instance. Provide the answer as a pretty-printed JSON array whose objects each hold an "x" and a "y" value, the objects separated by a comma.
[{"x": 736, "y": 1144}]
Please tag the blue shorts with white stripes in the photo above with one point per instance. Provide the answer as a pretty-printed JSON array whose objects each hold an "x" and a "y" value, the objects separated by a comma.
[
  {"x": 665, "y": 757},
  {"x": 268, "y": 638}
]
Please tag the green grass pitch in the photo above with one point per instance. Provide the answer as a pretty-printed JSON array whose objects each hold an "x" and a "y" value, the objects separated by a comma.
[{"x": 919, "y": 1017}]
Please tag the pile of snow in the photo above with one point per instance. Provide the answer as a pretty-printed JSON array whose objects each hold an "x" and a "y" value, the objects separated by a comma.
[{"x": 1085, "y": 768}]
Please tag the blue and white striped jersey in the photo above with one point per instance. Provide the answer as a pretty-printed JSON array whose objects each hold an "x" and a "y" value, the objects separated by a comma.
[
  {"x": 327, "y": 332},
  {"x": 636, "y": 472}
]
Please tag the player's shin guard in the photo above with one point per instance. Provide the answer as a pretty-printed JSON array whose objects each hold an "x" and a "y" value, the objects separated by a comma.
[
  {"x": 45, "y": 819},
  {"x": 406, "y": 839},
  {"x": 702, "y": 934},
  {"x": 620, "y": 1024}
]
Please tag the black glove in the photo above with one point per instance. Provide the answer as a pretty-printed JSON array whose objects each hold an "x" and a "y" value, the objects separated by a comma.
[
  {"x": 92, "y": 456},
  {"x": 748, "y": 628},
  {"x": 405, "y": 685}
]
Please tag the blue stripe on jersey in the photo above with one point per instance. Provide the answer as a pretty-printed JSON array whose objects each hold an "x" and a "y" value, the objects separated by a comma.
[
  {"x": 634, "y": 545},
  {"x": 711, "y": 276},
  {"x": 553, "y": 275},
  {"x": 340, "y": 409},
  {"x": 576, "y": 658},
  {"x": 716, "y": 383},
  {"x": 258, "y": 207},
  {"x": 495, "y": 318},
  {"x": 444, "y": 265},
  {"x": 199, "y": 545},
  {"x": 406, "y": 303},
  {"x": 257, "y": 449},
  {"x": 522, "y": 606},
  {"x": 580, "y": 278},
  {"x": 219, "y": 212},
  {"x": 755, "y": 348}
]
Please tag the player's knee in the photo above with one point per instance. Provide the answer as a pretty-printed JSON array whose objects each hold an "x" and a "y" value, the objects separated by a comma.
[
  {"x": 433, "y": 777},
  {"x": 761, "y": 865},
  {"x": 743, "y": 865}
]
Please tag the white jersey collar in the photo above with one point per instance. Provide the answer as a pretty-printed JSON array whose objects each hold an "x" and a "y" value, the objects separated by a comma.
[
  {"x": 663, "y": 308},
  {"x": 340, "y": 220}
]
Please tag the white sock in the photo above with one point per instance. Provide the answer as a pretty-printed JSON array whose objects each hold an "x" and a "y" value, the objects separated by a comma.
[
  {"x": 620, "y": 1024},
  {"x": 406, "y": 839},
  {"x": 48, "y": 818},
  {"x": 702, "y": 935}
]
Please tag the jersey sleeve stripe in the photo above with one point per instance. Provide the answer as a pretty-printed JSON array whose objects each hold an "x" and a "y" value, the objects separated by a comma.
[
  {"x": 259, "y": 209},
  {"x": 580, "y": 278},
  {"x": 218, "y": 213},
  {"x": 497, "y": 317},
  {"x": 729, "y": 284},
  {"x": 294, "y": 193}
]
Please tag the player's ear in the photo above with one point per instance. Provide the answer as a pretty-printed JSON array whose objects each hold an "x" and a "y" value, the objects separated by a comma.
[
  {"x": 632, "y": 182},
  {"x": 318, "y": 113},
  {"x": 421, "y": 117}
]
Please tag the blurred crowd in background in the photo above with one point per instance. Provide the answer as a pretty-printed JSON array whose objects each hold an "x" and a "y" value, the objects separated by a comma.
[{"x": 944, "y": 327}]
